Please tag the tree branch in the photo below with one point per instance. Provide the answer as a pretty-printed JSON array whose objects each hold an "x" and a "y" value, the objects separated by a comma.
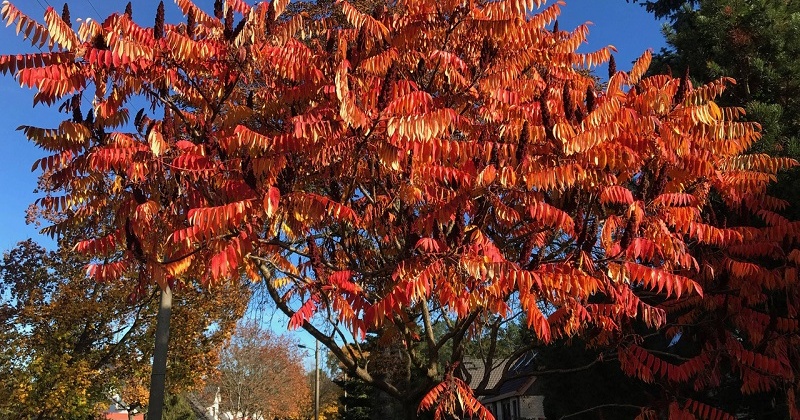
[
  {"x": 433, "y": 350},
  {"x": 588, "y": 410},
  {"x": 106, "y": 357},
  {"x": 351, "y": 364}
]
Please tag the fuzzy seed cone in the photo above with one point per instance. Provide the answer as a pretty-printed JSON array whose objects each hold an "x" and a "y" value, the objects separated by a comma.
[
  {"x": 250, "y": 99},
  {"x": 285, "y": 181},
  {"x": 683, "y": 88},
  {"x": 589, "y": 99},
  {"x": 229, "y": 24},
  {"x": 248, "y": 175},
  {"x": 546, "y": 119},
  {"x": 488, "y": 52},
  {"x": 137, "y": 120},
  {"x": 168, "y": 124},
  {"x": 612, "y": 66},
  {"x": 386, "y": 87},
  {"x": 330, "y": 46},
  {"x": 566, "y": 99},
  {"x": 77, "y": 116},
  {"x": 238, "y": 29},
  {"x": 378, "y": 12},
  {"x": 158, "y": 28},
  {"x": 218, "y": 9},
  {"x": 494, "y": 157},
  {"x": 65, "y": 15},
  {"x": 579, "y": 115},
  {"x": 99, "y": 42},
  {"x": 420, "y": 67},
  {"x": 335, "y": 190},
  {"x": 524, "y": 139},
  {"x": 90, "y": 118},
  {"x": 190, "y": 23}
]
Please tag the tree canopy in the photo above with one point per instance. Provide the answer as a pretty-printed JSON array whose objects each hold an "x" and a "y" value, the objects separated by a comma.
[
  {"x": 418, "y": 163},
  {"x": 665, "y": 8},
  {"x": 70, "y": 342},
  {"x": 261, "y": 375}
]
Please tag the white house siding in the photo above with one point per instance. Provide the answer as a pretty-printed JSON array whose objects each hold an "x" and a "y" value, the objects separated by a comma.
[{"x": 532, "y": 407}]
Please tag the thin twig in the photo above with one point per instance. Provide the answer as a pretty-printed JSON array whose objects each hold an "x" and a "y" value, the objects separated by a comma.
[{"x": 599, "y": 407}]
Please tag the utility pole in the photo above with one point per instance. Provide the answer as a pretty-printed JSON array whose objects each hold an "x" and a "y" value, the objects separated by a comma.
[
  {"x": 159, "y": 373},
  {"x": 316, "y": 377},
  {"x": 345, "y": 391}
]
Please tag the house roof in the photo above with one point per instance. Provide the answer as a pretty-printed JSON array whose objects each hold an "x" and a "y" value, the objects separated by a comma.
[
  {"x": 518, "y": 379},
  {"x": 474, "y": 369},
  {"x": 197, "y": 408}
]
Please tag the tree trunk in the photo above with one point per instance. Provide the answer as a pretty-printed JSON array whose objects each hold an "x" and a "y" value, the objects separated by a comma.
[
  {"x": 159, "y": 373},
  {"x": 411, "y": 410}
]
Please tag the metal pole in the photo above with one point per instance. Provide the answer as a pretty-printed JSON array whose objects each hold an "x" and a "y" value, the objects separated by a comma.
[{"x": 316, "y": 379}]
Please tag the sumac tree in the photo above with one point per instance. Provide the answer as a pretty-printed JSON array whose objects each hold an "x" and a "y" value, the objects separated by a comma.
[{"x": 421, "y": 162}]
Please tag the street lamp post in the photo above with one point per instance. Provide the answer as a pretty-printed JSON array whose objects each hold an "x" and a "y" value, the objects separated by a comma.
[{"x": 316, "y": 377}]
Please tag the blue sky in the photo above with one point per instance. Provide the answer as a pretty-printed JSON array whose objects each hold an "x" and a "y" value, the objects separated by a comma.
[{"x": 626, "y": 26}]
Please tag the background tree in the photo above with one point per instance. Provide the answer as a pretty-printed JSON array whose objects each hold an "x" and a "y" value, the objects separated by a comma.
[
  {"x": 665, "y": 8},
  {"x": 261, "y": 374},
  {"x": 430, "y": 162},
  {"x": 178, "y": 407},
  {"x": 71, "y": 342},
  {"x": 357, "y": 399}
]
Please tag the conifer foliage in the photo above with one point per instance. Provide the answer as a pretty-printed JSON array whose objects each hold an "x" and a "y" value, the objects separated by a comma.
[{"x": 421, "y": 161}]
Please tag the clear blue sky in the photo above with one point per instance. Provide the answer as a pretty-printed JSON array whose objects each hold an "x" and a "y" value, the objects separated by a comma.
[{"x": 616, "y": 22}]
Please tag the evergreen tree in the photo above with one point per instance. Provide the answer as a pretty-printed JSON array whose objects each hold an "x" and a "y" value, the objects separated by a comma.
[
  {"x": 356, "y": 399},
  {"x": 178, "y": 407}
]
